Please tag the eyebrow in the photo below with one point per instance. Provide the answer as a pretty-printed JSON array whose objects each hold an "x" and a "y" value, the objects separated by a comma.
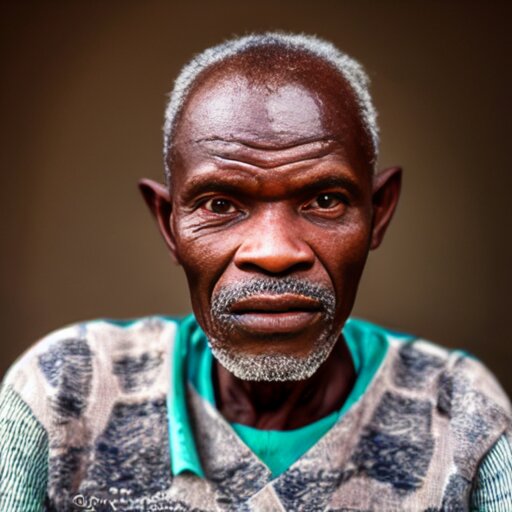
[
  {"x": 212, "y": 182},
  {"x": 331, "y": 182},
  {"x": 236, "y": 185}
]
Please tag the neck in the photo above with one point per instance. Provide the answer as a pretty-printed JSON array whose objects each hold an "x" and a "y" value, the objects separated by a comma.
[{"x": 286, "y": 405}]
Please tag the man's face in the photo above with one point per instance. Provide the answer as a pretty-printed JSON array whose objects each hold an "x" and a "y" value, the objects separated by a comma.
[{"x": 272, "y": 219}]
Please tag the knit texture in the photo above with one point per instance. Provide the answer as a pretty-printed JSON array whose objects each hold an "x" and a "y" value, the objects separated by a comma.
[
  {"x": 91, "y": 401},
  {"x": 23, "y": 455}
]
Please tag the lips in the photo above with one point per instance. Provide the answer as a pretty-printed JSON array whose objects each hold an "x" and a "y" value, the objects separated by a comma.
[{"x": 279, "y": 314}]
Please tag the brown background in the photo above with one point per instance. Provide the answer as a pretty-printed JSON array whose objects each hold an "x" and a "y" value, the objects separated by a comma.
[{"x": 83, "y": 91}]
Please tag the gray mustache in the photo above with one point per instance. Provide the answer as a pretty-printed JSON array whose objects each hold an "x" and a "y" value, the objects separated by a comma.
[{"x": 224, "y": 299}]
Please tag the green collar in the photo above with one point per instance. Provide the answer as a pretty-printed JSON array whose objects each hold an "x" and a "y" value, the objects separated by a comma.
[{"x": 184, "y": 456}]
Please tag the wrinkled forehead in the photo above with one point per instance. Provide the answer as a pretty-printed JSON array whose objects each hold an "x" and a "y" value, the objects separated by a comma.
[{"x": 273, "y": 100}]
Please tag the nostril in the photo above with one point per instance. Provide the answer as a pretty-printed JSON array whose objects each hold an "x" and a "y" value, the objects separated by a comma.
[{"x": 255, "y": 268}]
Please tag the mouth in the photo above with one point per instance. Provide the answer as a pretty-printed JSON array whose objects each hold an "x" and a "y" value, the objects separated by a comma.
[{"x": 275, "y": 314}]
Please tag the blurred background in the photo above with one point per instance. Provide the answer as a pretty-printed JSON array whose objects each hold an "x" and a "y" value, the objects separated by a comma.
[{"x": 83, "y": 91}]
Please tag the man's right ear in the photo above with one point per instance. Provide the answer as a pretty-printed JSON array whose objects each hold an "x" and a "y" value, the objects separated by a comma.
[{"x": 158, "y": 199}]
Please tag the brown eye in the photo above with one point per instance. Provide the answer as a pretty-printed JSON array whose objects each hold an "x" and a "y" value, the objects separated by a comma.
[
  {"x": 326, "y": 201},
  {"x": 219, "y": 205}
]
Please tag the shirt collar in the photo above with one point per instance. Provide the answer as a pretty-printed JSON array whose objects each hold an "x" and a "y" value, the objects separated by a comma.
[{"x": 184, "y": 455}]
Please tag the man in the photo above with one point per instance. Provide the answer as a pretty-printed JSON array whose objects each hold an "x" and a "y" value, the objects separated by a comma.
[{"x": 269, "y": 397}]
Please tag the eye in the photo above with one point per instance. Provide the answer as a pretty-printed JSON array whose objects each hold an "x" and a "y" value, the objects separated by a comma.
[
  {"x": 326, "y": 201},
  {"x": 219, "y": 205}
]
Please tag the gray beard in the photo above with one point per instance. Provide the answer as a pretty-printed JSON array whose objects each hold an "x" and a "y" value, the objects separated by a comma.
[{"x": 270, "y": 366}]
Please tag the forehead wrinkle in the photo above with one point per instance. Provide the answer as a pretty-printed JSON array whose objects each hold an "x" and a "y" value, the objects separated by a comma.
[
  {"x": 268, "y": 145},
  {"x": 266, "y": 156}
]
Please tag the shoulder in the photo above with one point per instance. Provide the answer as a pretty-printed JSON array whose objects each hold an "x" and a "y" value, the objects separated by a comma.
[
  {"x": 98, "y": 357},
  {"x": 416, "y": 364},
  {"x": 445, "y": 398},
  {"x": 463, "y": 383},
  {"x": 77, "y": 395},
  {"x": 464, "y": 397},
  {"x": 468, "y": 406}
]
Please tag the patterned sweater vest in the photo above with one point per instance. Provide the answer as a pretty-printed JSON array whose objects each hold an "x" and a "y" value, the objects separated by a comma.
[{"x": 412, "y": 442}]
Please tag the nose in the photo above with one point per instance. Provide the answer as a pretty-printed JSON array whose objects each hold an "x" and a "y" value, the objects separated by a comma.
[{"x": 273, "y": 245}]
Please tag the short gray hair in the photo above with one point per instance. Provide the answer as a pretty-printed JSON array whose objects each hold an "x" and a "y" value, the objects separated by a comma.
[{"x": 349, "y": 69}]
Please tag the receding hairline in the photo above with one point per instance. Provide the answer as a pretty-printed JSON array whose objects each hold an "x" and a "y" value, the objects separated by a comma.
[
  {"x": 230, "y": 79},
  {"x": 271, "y": 57}
]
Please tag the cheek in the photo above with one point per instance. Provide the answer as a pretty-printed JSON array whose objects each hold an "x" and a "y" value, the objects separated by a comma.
[
  {"x": 353, "y": 250},
  {"x": 343, "y": 254},
  {"x": 203, "y": 258}
]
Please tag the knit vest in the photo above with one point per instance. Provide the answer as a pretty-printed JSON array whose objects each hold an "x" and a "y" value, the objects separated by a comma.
[{"x": 412, "y": 442}]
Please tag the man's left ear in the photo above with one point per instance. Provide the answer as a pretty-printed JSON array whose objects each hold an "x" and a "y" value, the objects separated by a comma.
[{"x": 386, "y": 191}]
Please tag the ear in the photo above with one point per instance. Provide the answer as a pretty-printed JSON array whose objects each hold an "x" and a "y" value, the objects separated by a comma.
[
  {"x": 386, "y": 191},
  {"x": 158, "y": 199}
]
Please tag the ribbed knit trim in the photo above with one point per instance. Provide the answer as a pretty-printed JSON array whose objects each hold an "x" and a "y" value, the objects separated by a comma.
[
  {"x": 493, "y": 488},
  {"x": 23, "y": 455}
]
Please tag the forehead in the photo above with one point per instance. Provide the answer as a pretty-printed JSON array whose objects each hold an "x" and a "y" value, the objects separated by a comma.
[
  {"x": 234, "y": 109},
  {"x": 268, "y": 108}
]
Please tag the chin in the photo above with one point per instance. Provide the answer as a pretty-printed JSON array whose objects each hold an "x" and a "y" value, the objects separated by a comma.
[{"x": 271, "y": 365}]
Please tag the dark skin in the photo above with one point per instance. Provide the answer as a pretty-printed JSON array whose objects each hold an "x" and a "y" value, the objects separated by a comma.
[
  {"x": 286, "y": 405},
  {"x": 274, "y": 181}
]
